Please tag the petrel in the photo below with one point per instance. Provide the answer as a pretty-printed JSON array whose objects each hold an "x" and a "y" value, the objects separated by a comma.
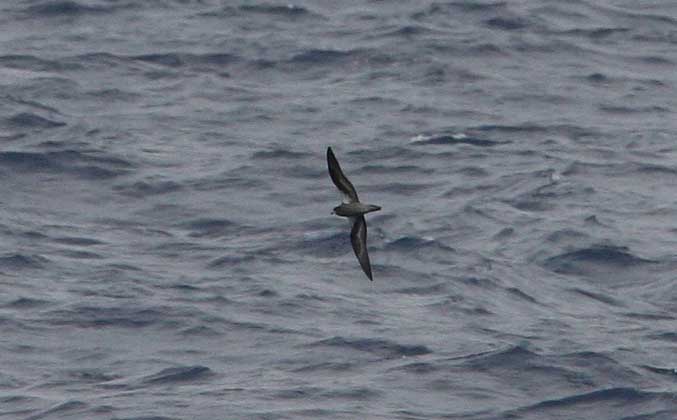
[{"x": 353, "y": 209}]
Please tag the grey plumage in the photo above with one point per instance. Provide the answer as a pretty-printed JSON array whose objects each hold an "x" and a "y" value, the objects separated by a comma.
[{"x": 352, "y": 208}]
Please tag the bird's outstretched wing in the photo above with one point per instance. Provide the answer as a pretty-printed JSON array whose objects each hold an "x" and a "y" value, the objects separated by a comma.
[
  {"x": 358, "y": 237},
  {"x": 340, "y": 179}
]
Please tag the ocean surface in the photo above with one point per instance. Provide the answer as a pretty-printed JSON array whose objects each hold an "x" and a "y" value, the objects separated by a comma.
[{"x": 168, "y": 250}]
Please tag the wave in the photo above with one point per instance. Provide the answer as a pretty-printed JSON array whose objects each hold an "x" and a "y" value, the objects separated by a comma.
[
  {"x": 384, "y": 348},
  {"x": 22, "y": 262},
  {"x": 290, "y": 11},
  {"x": 65, "y": 8},
  {"x": 598, "y": 296},
  {"x": 86, "y": 316},
  {"x": 27, "y": 303},
  {"x": 178, "y": 59},
  {"x": 176, "y": 375},
  {"x": 71, "y": 408},
  {"x": 506, "y": 358},
  {"x": 73, "y": 162},
  {"x": 327, "y": 245},
  {"x": 27, "y": 120},
  {"x": 607, "y": 258},
  {"x": 450, "y": 139},
  {"x": 38, "y": 65},
  {"x": 230, "y": 261},
  {"x": 141, "y": 189},
  {"x": 77, "y": 241},
  {"x": 604, "y": 400},
  {"x": 280, "y": 154},
  {"x": 206, "y": 227}
]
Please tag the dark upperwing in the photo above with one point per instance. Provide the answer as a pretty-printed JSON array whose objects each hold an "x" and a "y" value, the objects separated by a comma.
[
  {"x": 358, "y": 237},
  {"x": 339, "y": 179}
]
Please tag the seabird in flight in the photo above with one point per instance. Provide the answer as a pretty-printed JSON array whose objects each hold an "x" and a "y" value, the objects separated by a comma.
[{"x": 354, "y": 210}]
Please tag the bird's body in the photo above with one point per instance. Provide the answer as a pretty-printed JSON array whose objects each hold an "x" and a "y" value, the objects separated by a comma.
[{"x": 353, "y": 209}]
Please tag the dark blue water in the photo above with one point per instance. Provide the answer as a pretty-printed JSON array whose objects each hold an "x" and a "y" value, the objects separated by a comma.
[{"x": 167, "y": 245}]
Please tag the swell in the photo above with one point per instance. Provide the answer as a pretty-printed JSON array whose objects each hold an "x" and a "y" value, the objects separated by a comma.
[
  {"x": 595, "y": 258},
  {"x": 620, "y": 400},
  {"x": 381, "y": 347},
  {"x": 73, "y": 162},
  {"x": 68, "y": 8}
]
